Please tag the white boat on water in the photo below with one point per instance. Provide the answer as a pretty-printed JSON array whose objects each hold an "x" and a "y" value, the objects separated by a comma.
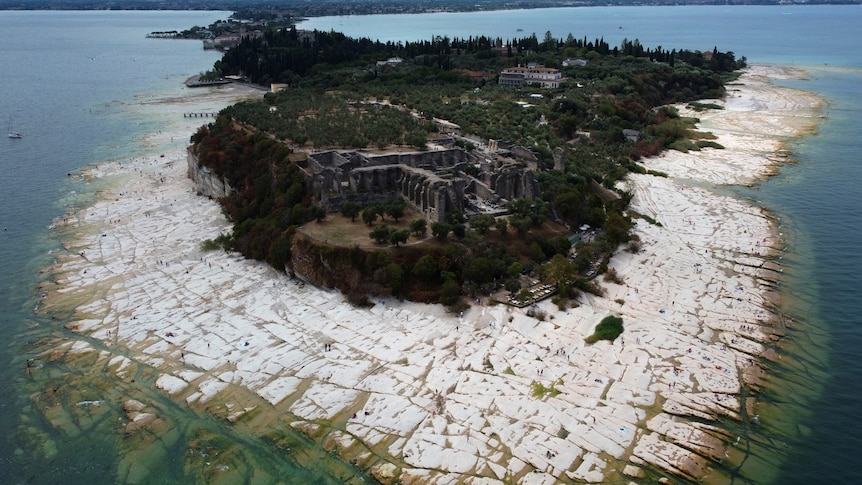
[{"x": 13, "y": 133}]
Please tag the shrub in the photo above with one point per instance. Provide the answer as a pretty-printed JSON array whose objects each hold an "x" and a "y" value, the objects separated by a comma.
[
  {"x": 613, "y": 276},
  {"x": 560, "y": 301},
  {"x": 540, "y": 391},
  {"x": 209, "y": 245},
  {"x": 608, "y": 329},
  {"x": 698, "y": 106},
  {"x": 709, "y": 144},
  {"x": 223, "y": 241}
]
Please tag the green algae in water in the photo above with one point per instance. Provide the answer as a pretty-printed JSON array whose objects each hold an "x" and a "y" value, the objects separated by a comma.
[{"x": 76, "y": 418}]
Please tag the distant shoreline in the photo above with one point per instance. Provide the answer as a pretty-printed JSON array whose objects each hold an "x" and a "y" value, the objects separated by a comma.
[{"x": 382, "y": 8}]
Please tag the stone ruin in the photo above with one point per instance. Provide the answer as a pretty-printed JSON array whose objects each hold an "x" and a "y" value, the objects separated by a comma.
[{"x": 432, "y": 183}]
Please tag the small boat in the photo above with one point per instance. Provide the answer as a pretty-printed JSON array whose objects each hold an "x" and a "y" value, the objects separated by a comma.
[{"x": 13, "y": 133}]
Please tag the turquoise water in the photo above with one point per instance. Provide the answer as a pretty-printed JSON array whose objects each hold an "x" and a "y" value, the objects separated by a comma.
[
  {"x": 818, "y": 199},
  {"x": 73, "y": 82},
  {"x": 70, "y": 79}
]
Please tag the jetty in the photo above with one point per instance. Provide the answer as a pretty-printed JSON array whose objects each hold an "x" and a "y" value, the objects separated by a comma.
[{"x": 195, "y": 82}]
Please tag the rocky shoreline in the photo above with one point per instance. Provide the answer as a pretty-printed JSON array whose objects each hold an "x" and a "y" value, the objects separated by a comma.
[{"x": 411, "y": 393}]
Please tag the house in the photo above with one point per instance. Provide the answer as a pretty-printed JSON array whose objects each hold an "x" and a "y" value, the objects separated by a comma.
[
  {"x": 392, "y": 61},
  {"x": 574, "y": 62},
  {"x": 543, "y": 77},
  {"x": 229, "y": 40},
  {"x": 476, "y": 76}
]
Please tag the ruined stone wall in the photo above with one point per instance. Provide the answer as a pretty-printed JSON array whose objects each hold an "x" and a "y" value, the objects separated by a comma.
[
  {"x": 437, "y": 159},
  {"x": 431, "y": 183},
  {"x": 511, "y": 182},
  {"x": 481, "y": 190}
]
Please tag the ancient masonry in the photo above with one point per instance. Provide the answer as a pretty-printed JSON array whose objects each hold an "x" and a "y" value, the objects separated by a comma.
[{"x": 433, "y": 183}]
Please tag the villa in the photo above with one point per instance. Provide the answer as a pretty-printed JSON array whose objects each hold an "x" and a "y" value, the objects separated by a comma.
[{"x": 544, "y": 77}]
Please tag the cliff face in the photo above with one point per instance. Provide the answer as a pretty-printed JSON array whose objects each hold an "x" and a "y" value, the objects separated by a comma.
[
  {"x": 333, "y": 267},
  {"x": 207, "y": 182}
]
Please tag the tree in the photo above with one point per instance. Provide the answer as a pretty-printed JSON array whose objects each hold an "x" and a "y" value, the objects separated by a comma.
[
  {"x": 392, "y": 276},
  {"x": 369, "y": 215},
  {"x": 319, "y": 214},
  {"x": 549, "y": 43},
  {"x": 513, "y": 285},
  {"x": 559, "y": 270},
  {"x": 440, "y": 230},
  {"x": 459, "y": 230},
  {"x": 481, "y": 223},
  {"x": 350, "y": 209},
  {"x": 521, "y": 224},
  {"x": 395, "y": 208},
  {"x": 616, "y": 228},
  {"x": 514, "y": 270},
  {"x": 480, "y": 270},
  {"x": 535, "y": 210},
  {"x": 502, "y": 225},
  {"x": 381, "y": 233},
  {"x": 279, "y": 252},
  {"x": 449, "y": 292},
  {"x": 426, "y": 268},
  {"x": 583, "y": 259},
  {"x": 399, "y": 236},
  {"x": 419, "y": 227}
]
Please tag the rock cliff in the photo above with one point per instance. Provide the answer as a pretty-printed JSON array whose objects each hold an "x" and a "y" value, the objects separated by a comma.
[{"x": 207, "y": 182}]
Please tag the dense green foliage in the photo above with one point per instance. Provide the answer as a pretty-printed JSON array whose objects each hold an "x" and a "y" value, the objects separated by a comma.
[
  {"x": 325, "y": 119},
  {"x": 340, "y": 96},
  {"x": 608, "y": 329},
  {"x": 271, "y": 194},
  {"x": 331, "y": 59}
]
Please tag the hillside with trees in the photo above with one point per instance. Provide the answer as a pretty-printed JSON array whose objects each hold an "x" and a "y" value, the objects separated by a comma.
[{"x": 345, "y": 93}]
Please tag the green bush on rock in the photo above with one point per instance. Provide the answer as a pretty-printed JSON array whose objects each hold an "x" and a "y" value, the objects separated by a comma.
[{"x": 608, "y": 329}]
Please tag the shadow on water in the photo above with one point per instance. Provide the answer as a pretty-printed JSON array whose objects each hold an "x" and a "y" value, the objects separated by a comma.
[{"x": 772, "y": 432}]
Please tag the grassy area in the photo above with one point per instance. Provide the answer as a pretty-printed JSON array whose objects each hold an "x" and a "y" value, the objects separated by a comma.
[{"x": 608, "y": 329}]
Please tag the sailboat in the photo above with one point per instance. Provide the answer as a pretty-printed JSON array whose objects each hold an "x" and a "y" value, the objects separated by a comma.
[{"x": 13, "y": 133}]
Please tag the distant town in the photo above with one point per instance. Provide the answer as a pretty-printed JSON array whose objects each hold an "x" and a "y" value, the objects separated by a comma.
[{"x": 304, "y": 8}]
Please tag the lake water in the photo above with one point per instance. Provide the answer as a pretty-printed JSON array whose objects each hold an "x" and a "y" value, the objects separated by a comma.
[{"x": 74, "y": 83}]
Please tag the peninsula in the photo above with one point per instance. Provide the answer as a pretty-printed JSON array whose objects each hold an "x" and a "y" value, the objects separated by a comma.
[
  {"x": 412, "y": 391},
  {"x": 409, "y": 391}
]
